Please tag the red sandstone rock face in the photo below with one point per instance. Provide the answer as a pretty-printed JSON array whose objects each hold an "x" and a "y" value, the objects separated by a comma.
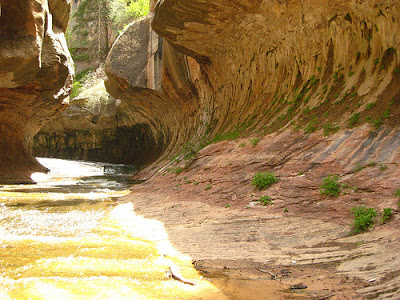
[
  {"x": 35, "y": 78},
  {"x": 262, "y": 65}
]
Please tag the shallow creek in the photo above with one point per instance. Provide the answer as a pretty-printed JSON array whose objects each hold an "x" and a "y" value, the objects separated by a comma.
[{"x": 66, "y": 238}]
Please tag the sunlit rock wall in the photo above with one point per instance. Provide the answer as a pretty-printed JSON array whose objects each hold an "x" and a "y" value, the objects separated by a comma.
[
  {"x": 257, "y": 66},
  {"x": 35, "y": 78}
]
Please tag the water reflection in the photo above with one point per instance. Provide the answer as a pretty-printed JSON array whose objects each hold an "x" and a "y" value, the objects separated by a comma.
[{"x": 66, "y": 238}]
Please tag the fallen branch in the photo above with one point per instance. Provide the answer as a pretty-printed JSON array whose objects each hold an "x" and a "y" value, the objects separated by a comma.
[{"x": 172, "y": 273}]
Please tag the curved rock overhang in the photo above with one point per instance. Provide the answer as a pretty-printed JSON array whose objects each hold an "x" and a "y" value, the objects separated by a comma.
[
  {"x": 36, "y": 72},
  {"x": 259, "y": 66}
]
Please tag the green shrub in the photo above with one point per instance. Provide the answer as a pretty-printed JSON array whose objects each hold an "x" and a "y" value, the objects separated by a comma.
[
  {"x": 76, "y": 89},
  {"x": 382, "y": 167},
  {"x": 208, "y": 187},
  {"x": 370, "y": 105},
  {"x": 189, "y": 150},
  {"x": 254, "y": 141},
  {"x": 358, "y": 168},
  {"x": 311, "y": 126},
  {"x": 364, "y": 218},
  {"x": 330, "y": 129},
  {"x": 354, "y": 120},
  {"x": 263, "y": 180},
  {"x": 397, "y": 192},
  {"x": 331, "y": 187},
  {"x": 378, "y": 122},
  {"x": 386, "y": 214},
  {"x": 177, "y": 170},
  {"x": 265, "y": 200}
]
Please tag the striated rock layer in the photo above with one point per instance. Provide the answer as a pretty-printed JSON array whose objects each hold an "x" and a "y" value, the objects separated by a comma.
[
  {"x": 35, "y": 78},
  {"x": 257, "y": 66}
]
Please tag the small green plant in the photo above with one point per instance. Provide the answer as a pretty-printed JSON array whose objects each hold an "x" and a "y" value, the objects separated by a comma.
[
  {"x": 331, "y": 187},
  {"x": 300, "y": 173},
  {"x": 354, "y": 120},
  {"x": 242, "y": 145},
  {"x": 370, "y": 105},
  {"x": 364, "y": 218},
  {"x": 189, "y": 150},
  {"x": 195, "y": 183},
  {"x": 285, "y": 210},
  {"x": 358, "y": 168},
  {"x": 397, "y": 192},
  {"x": 330, "y": 129},
  {"x": 386, "y": 114},
  {"x": 208, "y": 187},
  {"x": 378, "y": 122},
  {"x": 311, "y": 126},
  {"x": 262, "y": 180},
  {"x": 387, "y": 214},
  {"x": 254, "y": 141},
  {"x": 382, "y": 167},
  {"x": 351, "y": 73},
  {"x": 265, "y": 200},
  {"x": 372, "y": 164},
  {"x": 177, "y": 170},
  {"x": 76, "y": 89},
  {"x": 188, "y": 181},
  {"x": 376, "y": 61},
  {"x": 228, "y": 205}
]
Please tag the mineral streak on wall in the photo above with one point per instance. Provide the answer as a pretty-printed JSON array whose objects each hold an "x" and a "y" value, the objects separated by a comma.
[{"x": 36, "y": 73}]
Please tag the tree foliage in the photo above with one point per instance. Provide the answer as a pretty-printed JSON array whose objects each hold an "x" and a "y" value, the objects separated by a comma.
[
  {"x": 122, "y": 12},
  {"x": 94, "y": 22}
]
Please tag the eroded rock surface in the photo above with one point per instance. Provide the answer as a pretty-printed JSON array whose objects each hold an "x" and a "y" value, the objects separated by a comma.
[
  {"x": 212, "y": 211},
  {"x": 291, "y": 68},
  {"x": 35, "y": 78},
  {"x": 258, "y": 66}
]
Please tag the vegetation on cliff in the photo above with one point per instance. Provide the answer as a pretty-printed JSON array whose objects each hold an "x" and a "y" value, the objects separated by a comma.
[{"x": 95, "y": 24}]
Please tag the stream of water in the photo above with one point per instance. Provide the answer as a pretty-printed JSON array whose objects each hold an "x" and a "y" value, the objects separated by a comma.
[{"x": 67, "y": 238}]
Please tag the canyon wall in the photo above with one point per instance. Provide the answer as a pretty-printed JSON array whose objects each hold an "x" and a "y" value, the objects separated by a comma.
[
  {"x": 195, "y": 72},
  {"x": 36, "y": 73},
  {"x": 259, "y": 66}
]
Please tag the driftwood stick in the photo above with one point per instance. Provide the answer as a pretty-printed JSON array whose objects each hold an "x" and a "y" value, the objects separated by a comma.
[{"x": 172, "y": 273}]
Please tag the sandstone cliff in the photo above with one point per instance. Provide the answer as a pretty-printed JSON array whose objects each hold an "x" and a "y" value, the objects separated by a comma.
[
  {"x": 304, "y": 89},
  {"x": 35, "y": 78},
  {"x": 259, "y": 66}
]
